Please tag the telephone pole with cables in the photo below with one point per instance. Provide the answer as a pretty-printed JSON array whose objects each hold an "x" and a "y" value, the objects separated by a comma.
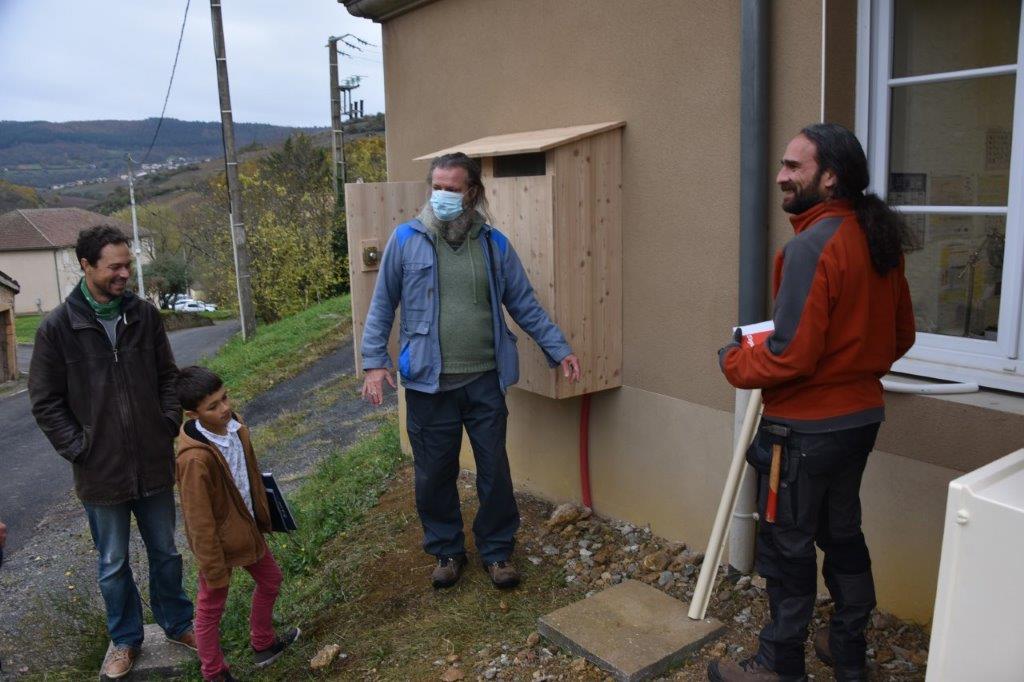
[{"x": 238, "y": 239}]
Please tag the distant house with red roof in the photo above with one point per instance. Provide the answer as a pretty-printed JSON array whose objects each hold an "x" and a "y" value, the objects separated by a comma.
[{"x": 37, "y": 248}]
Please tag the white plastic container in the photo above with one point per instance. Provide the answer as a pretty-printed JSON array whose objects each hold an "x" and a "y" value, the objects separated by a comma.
[{"x": 978, "y": 626}]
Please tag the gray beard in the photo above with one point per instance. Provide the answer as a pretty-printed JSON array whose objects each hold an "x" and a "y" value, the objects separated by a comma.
[{"x": 454, "y": 231}]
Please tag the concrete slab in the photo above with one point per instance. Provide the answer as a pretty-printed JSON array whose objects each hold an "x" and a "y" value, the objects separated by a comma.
[
  {"x": 632, "y": 630},
  {"x": 159, "y": 659}
]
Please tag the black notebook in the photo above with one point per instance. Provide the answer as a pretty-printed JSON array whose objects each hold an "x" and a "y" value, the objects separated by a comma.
[{"x": 281, "y": 520}]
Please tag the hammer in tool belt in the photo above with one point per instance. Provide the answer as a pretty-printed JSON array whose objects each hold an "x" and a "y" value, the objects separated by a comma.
[{"x": 779, "y": 434}]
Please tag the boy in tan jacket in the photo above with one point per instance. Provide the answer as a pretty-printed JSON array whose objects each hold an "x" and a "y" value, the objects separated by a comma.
[{"x": 225, "y": 509}]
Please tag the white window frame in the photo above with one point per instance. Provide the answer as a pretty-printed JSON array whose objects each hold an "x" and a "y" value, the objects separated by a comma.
[{"x": 995, "y": 364}]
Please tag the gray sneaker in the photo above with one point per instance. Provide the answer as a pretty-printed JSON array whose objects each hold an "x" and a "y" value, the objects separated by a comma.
[{"x": 267, "y": 656}]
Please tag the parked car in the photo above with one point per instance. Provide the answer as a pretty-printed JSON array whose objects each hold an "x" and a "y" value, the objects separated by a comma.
[{"x": 193, "y": 307}]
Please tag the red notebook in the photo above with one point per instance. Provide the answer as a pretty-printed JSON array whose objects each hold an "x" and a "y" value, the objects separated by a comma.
[{"x": 757, "y": 333}]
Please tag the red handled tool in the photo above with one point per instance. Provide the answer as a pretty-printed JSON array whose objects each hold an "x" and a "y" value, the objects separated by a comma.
[{"x": 779, "y": 434}]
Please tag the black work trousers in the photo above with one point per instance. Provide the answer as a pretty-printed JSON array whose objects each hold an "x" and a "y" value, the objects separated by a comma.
[
  {"x": 434, "y": 422},
  {"x": 818, "y": 502}
]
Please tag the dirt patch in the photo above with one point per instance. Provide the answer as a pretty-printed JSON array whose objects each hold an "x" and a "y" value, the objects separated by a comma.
[{"x": 372, "y": 597}]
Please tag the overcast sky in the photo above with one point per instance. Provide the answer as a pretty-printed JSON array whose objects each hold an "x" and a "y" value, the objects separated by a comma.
[{"x": 69, "y": 60}]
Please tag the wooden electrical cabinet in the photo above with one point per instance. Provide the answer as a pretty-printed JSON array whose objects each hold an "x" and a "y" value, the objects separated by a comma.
[{"x": 556, "y": 194}]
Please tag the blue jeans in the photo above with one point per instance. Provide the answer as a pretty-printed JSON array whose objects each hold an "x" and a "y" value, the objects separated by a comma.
[{"x": 110, "y": 526}]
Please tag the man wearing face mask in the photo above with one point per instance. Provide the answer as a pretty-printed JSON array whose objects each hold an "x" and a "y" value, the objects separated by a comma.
[{"x": 451, "y": 273}]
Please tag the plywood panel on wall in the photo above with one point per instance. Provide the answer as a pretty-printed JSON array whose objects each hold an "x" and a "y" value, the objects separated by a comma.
[
  {"x": 521, "y": 208},
  {"x": 587, "y": 180},
  {"x": 373, "y": 211}
]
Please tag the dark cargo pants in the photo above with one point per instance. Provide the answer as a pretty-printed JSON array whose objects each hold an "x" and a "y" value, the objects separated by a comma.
[
  {"x": 434, "y": 422},
  {"x": 818, "y": 502}
]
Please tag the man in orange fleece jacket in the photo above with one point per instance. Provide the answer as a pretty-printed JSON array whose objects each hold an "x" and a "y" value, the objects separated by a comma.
[{"x": 842, "y": 317}]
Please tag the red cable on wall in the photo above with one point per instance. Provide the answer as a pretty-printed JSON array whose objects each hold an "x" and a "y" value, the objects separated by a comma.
[{"x": 585, "y": 450}]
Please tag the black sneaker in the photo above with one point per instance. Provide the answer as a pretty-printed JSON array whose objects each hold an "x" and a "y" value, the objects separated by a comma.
[
  {"x": 267, "y": 656},
  {"x": 448, "y": 570}
]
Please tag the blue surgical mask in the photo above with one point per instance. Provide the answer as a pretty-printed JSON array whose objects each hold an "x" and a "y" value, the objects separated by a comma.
[{"x": 447, "y": 205}]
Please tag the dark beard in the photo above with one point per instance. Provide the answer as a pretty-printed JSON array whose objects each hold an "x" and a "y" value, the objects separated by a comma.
[
  {"x": 454, "y": 231},
  {"x": 801, "y": 202},
  {"x": 805, "y": 198}
]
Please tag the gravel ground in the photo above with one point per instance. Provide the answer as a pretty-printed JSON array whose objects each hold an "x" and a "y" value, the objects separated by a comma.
[
  {"x": 51, "y": 607},
  {"x": 595, "y": 553}
]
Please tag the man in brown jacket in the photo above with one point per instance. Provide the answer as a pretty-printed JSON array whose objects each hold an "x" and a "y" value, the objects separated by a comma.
[
  {"x": 101, "y": 384},
  {"x": 226, "y": 513}
]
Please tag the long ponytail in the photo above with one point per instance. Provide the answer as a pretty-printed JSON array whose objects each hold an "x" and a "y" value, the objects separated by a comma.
[{"x": 887, "y": 233}]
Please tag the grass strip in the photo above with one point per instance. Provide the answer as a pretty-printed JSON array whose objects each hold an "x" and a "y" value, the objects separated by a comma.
[
  {"x": 282, "y": 349},
  {"x": 25, "y": 328}
]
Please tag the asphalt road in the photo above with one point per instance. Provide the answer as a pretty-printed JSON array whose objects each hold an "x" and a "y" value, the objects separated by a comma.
[{"x": 33, "y": 477}]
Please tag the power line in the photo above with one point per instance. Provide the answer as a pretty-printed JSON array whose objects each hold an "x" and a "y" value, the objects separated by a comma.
[{"x": 167, "y": 97}]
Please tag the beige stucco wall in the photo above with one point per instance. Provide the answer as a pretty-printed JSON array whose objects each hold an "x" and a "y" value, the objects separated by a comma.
[
  {"x": 660, "y": 444},
  {"x": 35, "y": 272}
]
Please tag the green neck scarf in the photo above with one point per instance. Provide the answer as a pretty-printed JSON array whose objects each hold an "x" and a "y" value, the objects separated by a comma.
[{"x": 104, "y": 311}]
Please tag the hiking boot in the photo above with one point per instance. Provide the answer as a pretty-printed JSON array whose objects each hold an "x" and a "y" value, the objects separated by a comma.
[
  {"x": 749, "y": 670},
  {"x": 823, "y": 650},
  {"x": 119, "y": 663},
  {"x": 186, "y": 639},
  {"x": 448, "y": 570},
  {"x": 503, "y": 574},
  {"x": 267, "y": 656}
]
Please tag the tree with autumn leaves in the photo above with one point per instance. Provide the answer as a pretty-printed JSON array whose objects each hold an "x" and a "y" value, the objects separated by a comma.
[{"x": 295, "y": 232}]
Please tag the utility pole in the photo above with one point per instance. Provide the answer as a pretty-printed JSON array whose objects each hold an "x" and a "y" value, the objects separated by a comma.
[
  {"x": 337, "y": 134},
  {"x": 353, "y": 110},
  {"x": 135, "y": 228},
  {"x": 238, "y": 239}
]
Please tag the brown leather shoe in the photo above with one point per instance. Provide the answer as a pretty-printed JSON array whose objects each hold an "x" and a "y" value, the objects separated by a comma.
[
  {"x": 823, "y": 650},
  {"x": 185, "y": 639},
  {"x": 503, "y": 574},
  {"x": 749, "y": 670},
  {"x": 448, "y": 570},
  {"x": 119, "y": 663}
]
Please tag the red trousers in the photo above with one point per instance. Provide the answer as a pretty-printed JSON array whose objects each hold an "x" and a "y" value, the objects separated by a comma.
[{"x": 210, "y": 607}]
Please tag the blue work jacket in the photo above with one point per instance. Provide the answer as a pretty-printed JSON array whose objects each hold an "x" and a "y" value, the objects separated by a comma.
[{"x": 408, "y": 277}]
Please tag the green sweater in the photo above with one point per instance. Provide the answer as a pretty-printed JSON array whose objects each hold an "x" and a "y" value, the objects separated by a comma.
[{"x": 466, "y": 325}]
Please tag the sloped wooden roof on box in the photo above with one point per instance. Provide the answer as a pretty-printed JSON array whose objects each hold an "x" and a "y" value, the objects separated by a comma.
[{"x": 524, "y": 143}]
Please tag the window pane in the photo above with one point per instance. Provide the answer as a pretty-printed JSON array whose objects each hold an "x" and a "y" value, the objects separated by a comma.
[
  {"x": 956, "y": 277},
  {"x": 934, "y": 36},
  {"x": 949, "y": 143}
]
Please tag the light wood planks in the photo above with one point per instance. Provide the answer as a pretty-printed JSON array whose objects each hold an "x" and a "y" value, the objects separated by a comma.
[
  {"x": 588, "y": 257},
  {"x": 373, "y": 211},
  {"x": 522, "y": 210},
  {"x": 525, "y": 143}
]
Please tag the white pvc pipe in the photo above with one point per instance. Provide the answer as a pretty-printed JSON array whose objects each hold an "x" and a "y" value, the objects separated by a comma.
[
  {"x": 929, "y": 389},
  {"x": 744, "y": 525},
  {"x": 716, "y": 543}
]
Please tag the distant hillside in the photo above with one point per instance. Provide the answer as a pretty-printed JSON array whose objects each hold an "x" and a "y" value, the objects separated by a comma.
[
  {"x": 41, "y": 153},
  {"x": 16, "y": 196}
]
